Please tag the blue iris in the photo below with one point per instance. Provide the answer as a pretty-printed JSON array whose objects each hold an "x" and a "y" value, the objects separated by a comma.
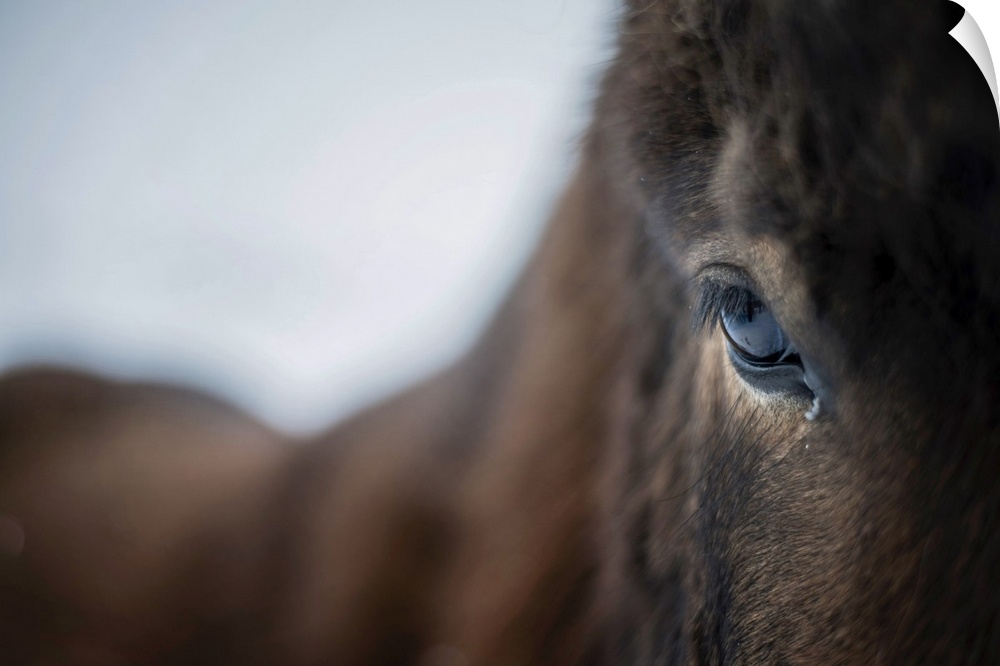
[{"x": 755, "y": 335}]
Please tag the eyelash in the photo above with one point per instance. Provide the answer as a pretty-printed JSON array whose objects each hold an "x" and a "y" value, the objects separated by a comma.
[{"x": 716, "y": 298}]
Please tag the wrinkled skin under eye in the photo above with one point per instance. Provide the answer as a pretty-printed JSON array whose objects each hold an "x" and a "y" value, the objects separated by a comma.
[{"x": 755, "y": 335}]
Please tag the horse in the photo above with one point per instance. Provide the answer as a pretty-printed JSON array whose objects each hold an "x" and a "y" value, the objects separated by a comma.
[{"x": 739, "y": 408}]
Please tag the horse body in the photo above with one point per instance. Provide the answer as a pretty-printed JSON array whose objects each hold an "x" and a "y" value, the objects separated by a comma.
[{"x": 738, "y": 409}]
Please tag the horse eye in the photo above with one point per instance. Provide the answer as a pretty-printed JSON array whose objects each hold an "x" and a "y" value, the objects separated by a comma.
[{"x": 755, "y": 335}]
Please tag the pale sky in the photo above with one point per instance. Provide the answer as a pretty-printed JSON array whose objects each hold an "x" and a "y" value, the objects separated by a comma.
[{"x": 299, "y": 205}]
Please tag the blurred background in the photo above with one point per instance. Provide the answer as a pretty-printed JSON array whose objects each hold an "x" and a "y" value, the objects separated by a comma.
[{"x": 300, "y": 206}]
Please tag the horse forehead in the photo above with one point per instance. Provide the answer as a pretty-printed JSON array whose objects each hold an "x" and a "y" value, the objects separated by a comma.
[{"x": 855, "y": 154}]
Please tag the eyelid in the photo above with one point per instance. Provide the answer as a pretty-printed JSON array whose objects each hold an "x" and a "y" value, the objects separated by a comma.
[{"x": 720, "y": 271}]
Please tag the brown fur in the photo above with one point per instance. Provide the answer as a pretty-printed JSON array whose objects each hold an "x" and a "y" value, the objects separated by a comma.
[{"x": 595, "y": 483}]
